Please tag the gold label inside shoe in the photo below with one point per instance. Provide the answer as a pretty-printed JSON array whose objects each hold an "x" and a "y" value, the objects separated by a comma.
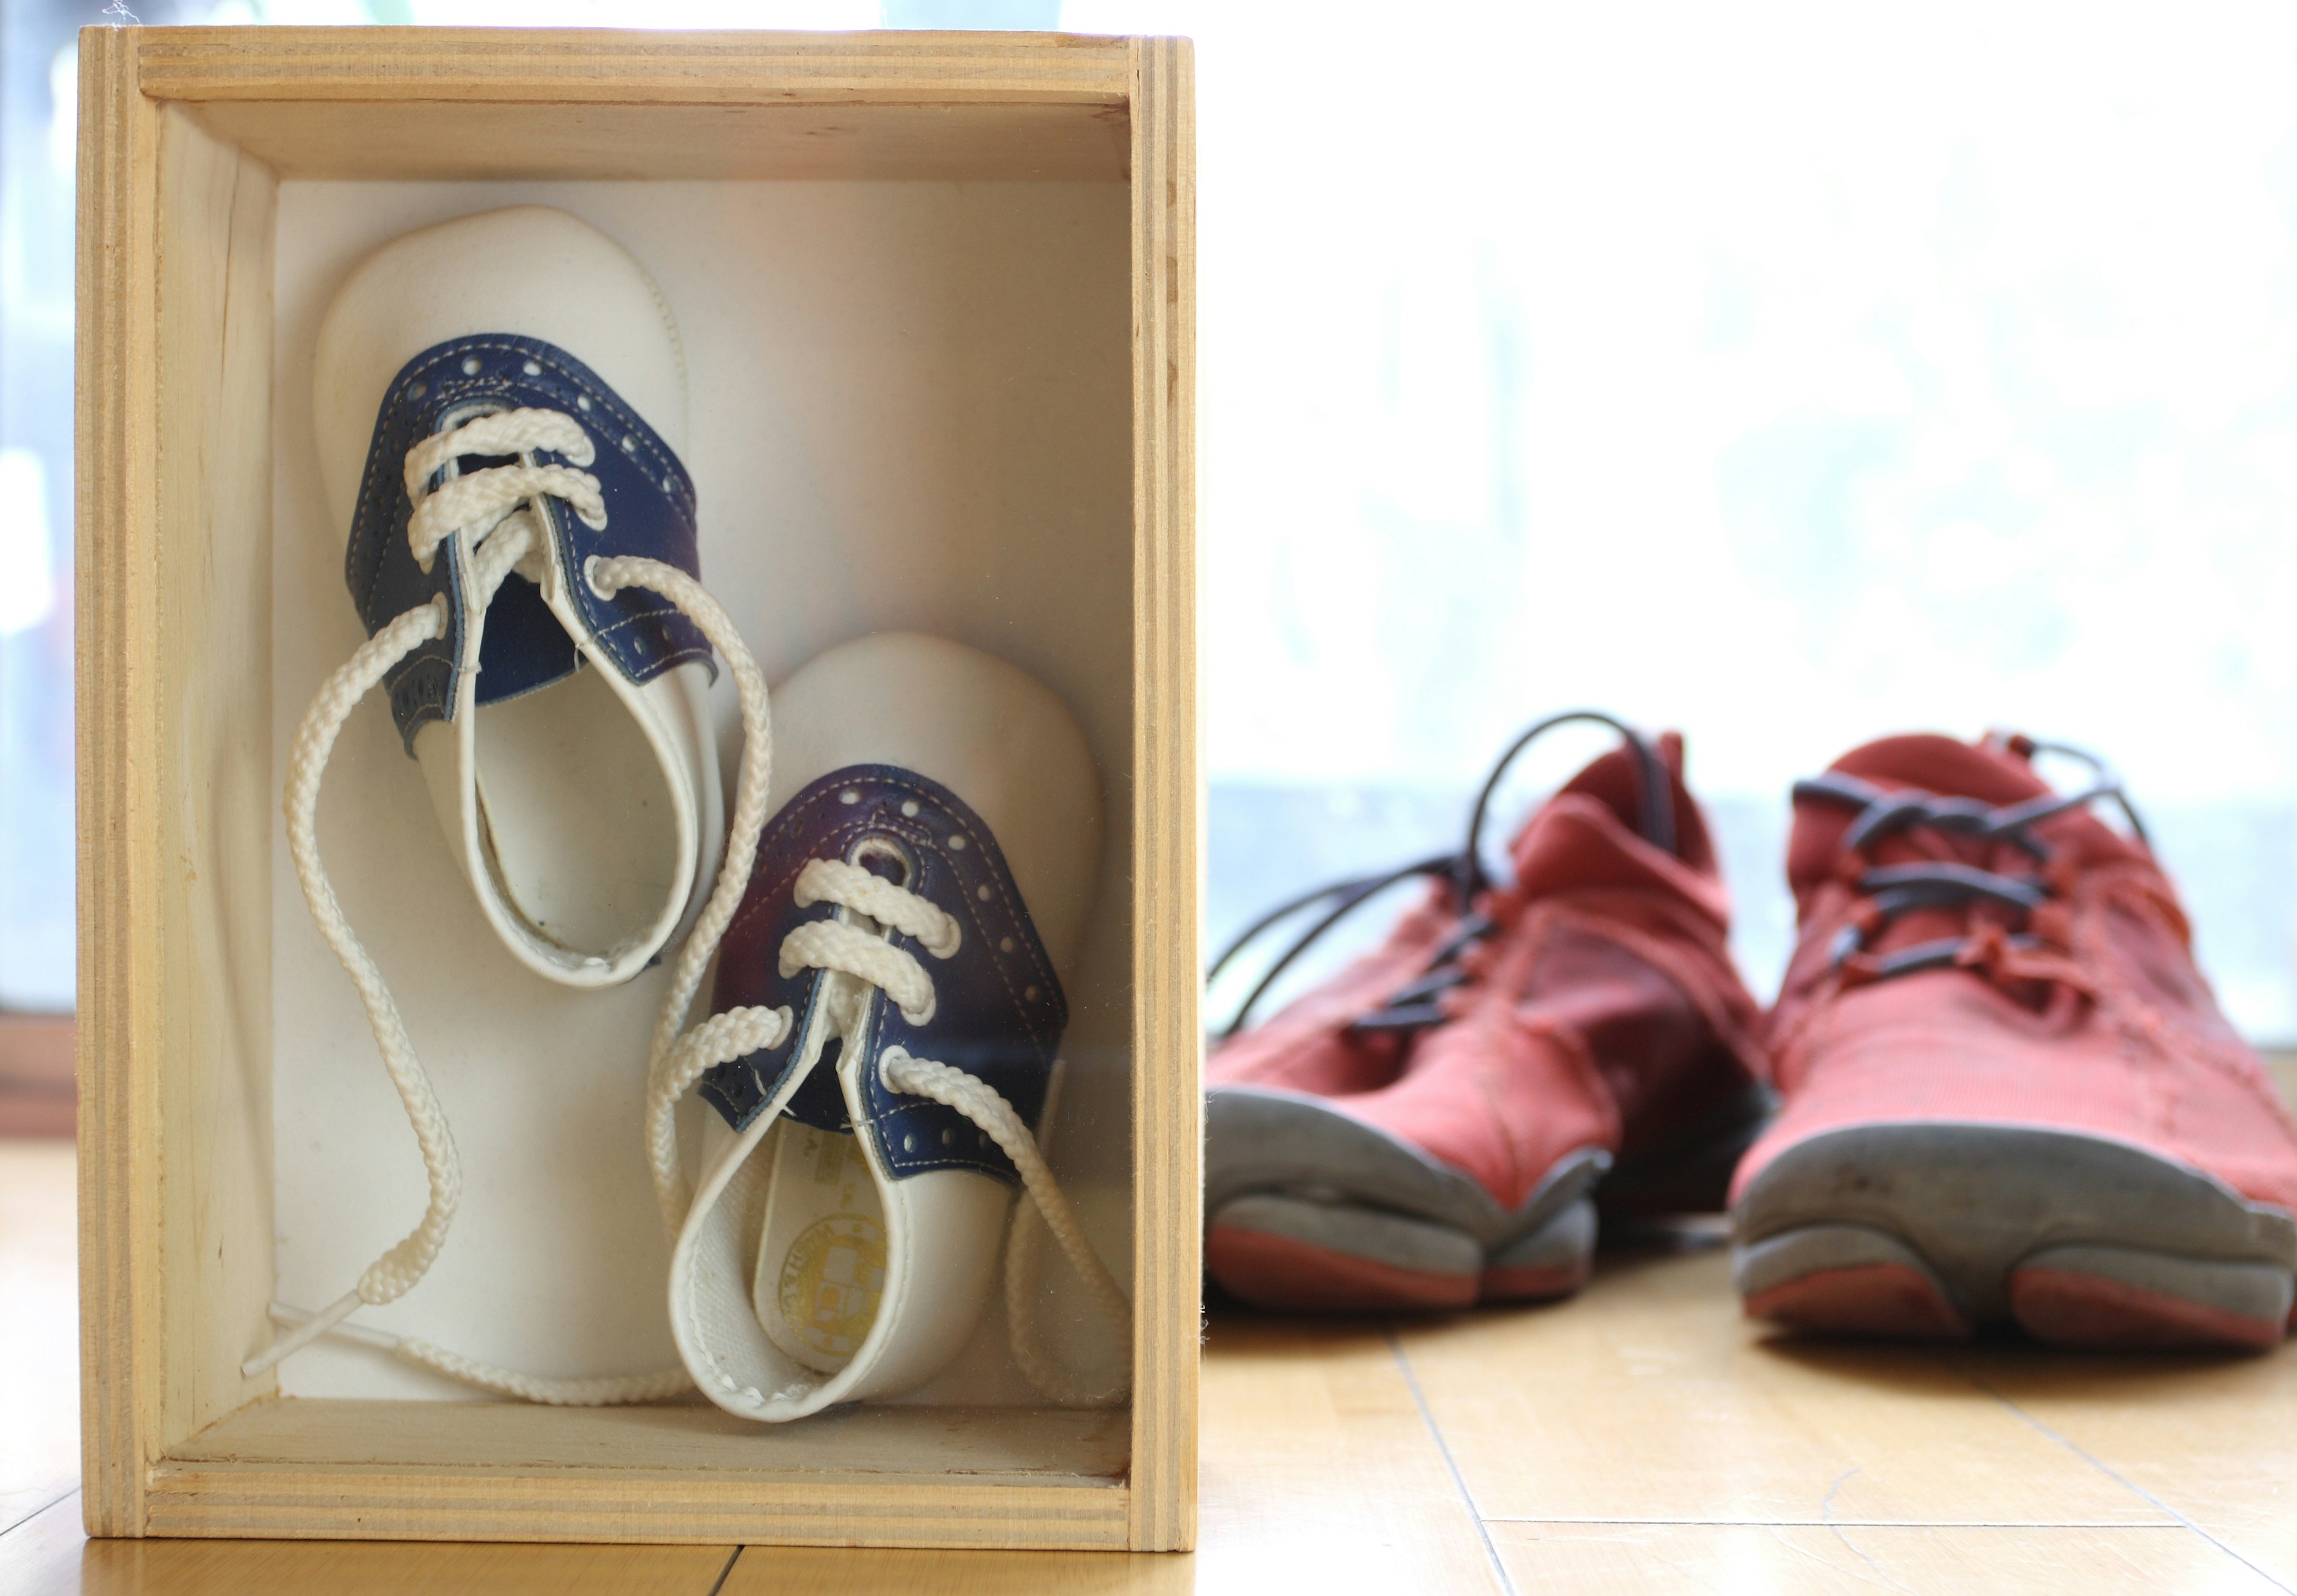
[{"x": 831, "y": 1280}]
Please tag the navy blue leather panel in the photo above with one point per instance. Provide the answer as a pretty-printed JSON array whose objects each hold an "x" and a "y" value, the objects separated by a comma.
[
  {"x": 649, "y": 501},
  {"x": 998, "y": 1009}
]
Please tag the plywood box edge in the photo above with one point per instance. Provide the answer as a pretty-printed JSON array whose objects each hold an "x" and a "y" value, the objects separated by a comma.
[
  {"x": 598, "y": 65},
  {"x": 142, "y": 1392},
  {"x": 113, "y": 451},
  {"x": 1168, "y": 1095}
]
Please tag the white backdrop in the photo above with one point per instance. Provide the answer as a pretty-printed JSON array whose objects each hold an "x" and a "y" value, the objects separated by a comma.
[{"x": 1788, "y": 371}]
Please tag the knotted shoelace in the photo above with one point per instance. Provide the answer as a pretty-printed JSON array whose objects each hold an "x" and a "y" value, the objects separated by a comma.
[
  {"x": 495, "y": 505},
  {"x": 1888, "y": 892},
  {"x": 855, "y": 947}
]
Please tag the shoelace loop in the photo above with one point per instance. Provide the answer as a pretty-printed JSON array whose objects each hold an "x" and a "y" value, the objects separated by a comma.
[
  {"x": 482, "y": 499},
  {"x": 495, "y": 504},
  {"x": 850, "y": 949}
]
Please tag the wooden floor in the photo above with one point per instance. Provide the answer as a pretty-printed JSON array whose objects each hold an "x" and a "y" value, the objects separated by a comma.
[{"x": 1644, "y": 1437}]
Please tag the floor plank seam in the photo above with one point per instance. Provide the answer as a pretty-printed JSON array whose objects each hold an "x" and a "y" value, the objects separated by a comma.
[
  {"x": 2128, "y": 1484},
  {"x": 727, "y": 1571},
  {"x": 2175, "y": 1526},
  {"x": 1826, "y": 1514},
  {"x": 1444, "y": 1448},
  {"x": 65, "y": 1494}
]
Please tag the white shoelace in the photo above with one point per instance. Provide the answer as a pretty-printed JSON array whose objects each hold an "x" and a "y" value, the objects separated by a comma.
[{"x": 493, "y": 504}]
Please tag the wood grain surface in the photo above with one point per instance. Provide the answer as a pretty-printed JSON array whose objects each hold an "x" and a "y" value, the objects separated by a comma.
[
  {"x": 115, "y": 454},
  {"x": 1168, "y": 796},
  {"x": 603, "y": 65}
]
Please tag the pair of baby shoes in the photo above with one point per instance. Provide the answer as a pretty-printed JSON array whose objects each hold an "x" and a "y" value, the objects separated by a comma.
[{"x": 890, "y": 904}]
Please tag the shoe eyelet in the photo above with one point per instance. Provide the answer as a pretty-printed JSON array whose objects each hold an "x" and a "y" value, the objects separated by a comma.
[
  {"x": 910, "y": 810},
  {"x": 981, "y": 892},
  {"x": 417, "y": 389},
  {"x": 1005, "y": 945},
  {"x": 582, "y": 401},
  {"x": 908, "y": 1144},
  {"x": 532, "y": 368},
  {"x": 957, "y": 844},
  {"x": 470, "y": 366},
  {"x": 850, "y": 795}
]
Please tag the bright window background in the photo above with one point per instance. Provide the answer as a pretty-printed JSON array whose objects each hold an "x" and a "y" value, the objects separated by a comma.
[{"x": 1790, "y": 374}]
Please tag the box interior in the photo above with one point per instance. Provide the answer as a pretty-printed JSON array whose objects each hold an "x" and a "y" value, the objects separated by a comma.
[{"x": 911, "y": 392}]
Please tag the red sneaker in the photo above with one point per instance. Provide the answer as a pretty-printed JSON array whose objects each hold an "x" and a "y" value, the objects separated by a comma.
[
  {"x": 2009, "y": 1093},
  {"x": 1426, "y": 1128}
]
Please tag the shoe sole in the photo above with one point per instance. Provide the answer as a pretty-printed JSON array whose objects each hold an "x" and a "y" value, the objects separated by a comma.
[
  {"x": 1298, "y": 1255},
  {"x": 1261, "y": 1141},
  {"x": 1311, "y": 1210},
  {"x": 1932, "y": 1230}
]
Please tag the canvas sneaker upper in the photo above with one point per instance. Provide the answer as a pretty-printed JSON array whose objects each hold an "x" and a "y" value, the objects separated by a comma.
[
  {"x": 1425, "y": 1129},
  {"x": 2010, "y": 1095},
  {"x": 1603, "y": 1012},
  {"x": 1956, "y": 962}
]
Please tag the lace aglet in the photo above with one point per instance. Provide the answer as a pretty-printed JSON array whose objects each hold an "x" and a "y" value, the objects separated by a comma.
[{"x": 302, "y": 1336}]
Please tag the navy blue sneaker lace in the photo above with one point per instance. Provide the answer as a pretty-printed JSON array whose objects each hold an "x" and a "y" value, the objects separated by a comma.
[{"x": 1891, "y": 890}]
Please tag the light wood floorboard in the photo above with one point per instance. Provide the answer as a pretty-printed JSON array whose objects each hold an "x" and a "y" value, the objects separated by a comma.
[
  {"x": 2214, "y": 1441},
  {"x": 51, "y": 1555},
  {"x": 1626, "y": 1560},
  {"x": 1650, "y": 1398},
  {"x": 39, "y": 1328},
  {"x": 1644, "y": 1437}
]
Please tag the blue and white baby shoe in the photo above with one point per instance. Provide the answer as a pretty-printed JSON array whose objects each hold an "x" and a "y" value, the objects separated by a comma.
[
  {"x": 887, "y": 1026},
  {"x": 500, "y": 399},
  {"x": 499, "y": 403}
]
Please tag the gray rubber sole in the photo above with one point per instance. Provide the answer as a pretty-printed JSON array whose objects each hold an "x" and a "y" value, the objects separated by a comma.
[
  {"x": 1258, "y": 1140},
  {"x": 2077, "y": 1236},
  {"x": 1305, "y": 1255},
  {"x": 1310, "y": 1208}
]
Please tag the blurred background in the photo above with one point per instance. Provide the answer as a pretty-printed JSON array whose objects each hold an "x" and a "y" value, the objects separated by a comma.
[{"x": 1789, "y": 373}]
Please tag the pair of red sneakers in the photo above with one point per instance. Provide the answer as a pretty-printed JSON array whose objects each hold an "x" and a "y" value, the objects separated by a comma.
[{"x": 2003, "y": 1091}]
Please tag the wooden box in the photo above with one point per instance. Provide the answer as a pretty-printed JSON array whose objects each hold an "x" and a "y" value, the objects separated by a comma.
[{"x": 193, "y": 143}]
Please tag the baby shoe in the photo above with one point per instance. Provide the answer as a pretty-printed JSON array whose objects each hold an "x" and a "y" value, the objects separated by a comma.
[
  {"x": 499, "y": 403},
  {"x": 888, "y": 1012},
  {"x": 499, "y": 400},
  {"x": 2009, "y": 1093},
  {"x": 1583, "y": 1020}
]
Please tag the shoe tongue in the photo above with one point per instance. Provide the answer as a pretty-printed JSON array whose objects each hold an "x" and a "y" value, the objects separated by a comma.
[
  {"x": 1585, "y": 836},
  {"x": 1948, "y": 768},
  {"x": 1616, "y": 780}
]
